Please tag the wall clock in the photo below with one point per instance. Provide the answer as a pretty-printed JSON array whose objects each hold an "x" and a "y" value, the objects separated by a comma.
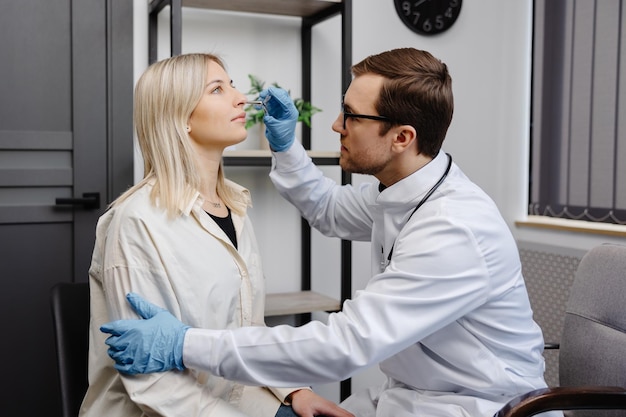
[{"x": 428, "y": 17}]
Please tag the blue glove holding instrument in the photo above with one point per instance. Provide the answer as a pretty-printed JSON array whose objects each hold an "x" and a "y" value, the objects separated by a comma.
[
  {"x": 280, "y": 118},
  {"x": 144, "y": 346}
]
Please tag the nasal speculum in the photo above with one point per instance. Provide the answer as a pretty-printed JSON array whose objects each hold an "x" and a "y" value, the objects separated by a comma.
[{"x": 261, "y": 103}]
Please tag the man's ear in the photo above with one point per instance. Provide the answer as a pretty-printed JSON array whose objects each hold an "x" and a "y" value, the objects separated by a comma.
[{"x": 405, "y": 137}]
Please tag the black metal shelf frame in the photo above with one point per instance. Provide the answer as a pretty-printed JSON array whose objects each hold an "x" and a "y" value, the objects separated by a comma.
[{"x": 329, "y": 9}]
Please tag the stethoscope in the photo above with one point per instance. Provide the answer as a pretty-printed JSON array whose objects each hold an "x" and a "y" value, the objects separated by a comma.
[{"x": 430, "y": 192}]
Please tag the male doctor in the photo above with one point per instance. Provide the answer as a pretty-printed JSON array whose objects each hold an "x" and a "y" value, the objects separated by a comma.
[{"x": 445, "y": 314}]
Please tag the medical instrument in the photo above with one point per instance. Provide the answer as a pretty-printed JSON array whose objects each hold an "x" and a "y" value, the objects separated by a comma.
[{"x": 260, "y": 103}]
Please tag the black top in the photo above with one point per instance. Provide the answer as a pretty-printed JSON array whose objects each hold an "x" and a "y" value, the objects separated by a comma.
[{"x": 226, "y": 223}]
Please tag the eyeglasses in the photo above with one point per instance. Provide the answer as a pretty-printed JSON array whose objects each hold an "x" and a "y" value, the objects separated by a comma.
[{"x": 347, "y": 115}]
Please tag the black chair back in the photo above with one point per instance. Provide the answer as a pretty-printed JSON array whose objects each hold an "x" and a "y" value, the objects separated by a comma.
[{"x": 70, "y": 314}]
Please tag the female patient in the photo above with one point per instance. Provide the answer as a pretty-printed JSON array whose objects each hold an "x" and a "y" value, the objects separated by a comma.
[{"x": 181, "y": 238}]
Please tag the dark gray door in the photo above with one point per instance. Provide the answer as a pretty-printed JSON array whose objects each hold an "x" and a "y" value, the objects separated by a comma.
[{"x": 65, "y": 134}]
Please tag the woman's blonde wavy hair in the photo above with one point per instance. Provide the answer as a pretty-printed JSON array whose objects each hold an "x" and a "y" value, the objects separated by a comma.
[{"x": 165, "y": 96}]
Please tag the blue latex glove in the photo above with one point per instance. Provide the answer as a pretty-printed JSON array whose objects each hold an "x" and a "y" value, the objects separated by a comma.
[
  {"x": 145, "y": 346},
  {"x": 280, "y": 118}
]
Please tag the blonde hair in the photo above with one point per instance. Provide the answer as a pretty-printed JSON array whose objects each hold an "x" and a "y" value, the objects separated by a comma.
[{"x": 165, "y": 96}]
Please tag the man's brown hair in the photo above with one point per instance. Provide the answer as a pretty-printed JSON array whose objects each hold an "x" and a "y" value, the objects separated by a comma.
[{"x": 417, "y": 91}]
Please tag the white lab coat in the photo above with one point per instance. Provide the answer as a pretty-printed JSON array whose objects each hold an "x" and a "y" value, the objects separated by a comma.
[
  {"x": 188, "y": 265},
  {"x": 448, "y": 319}
]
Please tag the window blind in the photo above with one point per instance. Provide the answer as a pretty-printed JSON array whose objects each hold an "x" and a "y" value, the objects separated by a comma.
[{"x": 578, "y": 137}]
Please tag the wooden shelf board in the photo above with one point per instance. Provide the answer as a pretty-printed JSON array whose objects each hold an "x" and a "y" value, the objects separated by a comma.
[
  {"x": 264, "y": 158},
  {"x": 281, "y": 304},
  {"x": 261, "y": 153},
  {"x": 301, "y": 8}
]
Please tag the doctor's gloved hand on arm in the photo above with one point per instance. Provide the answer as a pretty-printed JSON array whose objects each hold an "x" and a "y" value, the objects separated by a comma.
[
  {"x": 280, "y": 118},
  {"x": 151, "y": 344},
  {"x": 155, "y": 344}
]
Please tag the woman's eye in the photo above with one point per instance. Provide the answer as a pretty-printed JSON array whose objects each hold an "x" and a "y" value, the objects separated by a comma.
[{"x": 216, "y": 90}]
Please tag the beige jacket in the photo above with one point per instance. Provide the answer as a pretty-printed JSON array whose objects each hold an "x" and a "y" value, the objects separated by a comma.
[{"x": 189, "y": 266}]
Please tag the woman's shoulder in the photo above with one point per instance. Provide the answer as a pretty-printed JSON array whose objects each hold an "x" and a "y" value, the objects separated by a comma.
[
  {"x": 136, "y": 206},
  {"x": 138, "y": 199},
  {"x": 240, "y": 193},
  {"x": 235, "y": 187}
]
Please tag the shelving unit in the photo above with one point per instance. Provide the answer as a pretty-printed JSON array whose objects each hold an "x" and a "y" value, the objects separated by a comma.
[
  {"x": 302, "y": 303},
  {"x": 264, "y": 158}
]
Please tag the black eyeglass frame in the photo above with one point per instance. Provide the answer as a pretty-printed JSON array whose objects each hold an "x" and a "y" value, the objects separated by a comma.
[{"x": 347, "y": 115}]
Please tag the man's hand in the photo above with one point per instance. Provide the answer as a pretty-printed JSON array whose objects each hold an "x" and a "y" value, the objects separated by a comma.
[
  {"x": 306, "y": 403},
  {"x": 144, "y": 346}
]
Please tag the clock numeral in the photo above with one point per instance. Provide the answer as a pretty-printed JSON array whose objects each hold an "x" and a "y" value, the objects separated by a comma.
[
  {"x": 417, "y": 17},
  {"x": 439, "y": 21},
  {"x": 427, "y": 26},
  {"x": 406, "y": 7}
]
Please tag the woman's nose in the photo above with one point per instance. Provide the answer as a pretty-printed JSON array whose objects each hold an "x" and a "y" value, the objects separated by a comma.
[{"x": 240, "y": 98}]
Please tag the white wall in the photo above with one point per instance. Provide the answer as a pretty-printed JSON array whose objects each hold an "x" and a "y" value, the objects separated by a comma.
[{"x": 488, "y": 55}]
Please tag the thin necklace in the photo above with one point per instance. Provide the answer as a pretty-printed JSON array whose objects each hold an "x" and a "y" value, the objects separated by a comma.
[{"x": 215, "y": 205}]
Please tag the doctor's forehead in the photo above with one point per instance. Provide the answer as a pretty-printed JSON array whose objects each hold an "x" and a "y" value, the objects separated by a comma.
[{"x": 363, "y": 91}]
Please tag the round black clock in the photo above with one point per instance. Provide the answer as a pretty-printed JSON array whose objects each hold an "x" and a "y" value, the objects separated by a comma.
[{"x": 428, "y": 17}]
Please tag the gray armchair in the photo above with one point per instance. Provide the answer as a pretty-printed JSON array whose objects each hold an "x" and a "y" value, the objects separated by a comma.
[{"x": 592, "y": 358}]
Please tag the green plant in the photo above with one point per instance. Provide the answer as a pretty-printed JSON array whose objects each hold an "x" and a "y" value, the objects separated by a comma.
[{"x": 255, "y": 116}]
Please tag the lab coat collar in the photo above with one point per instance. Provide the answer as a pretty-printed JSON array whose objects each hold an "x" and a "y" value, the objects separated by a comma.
[{"x": 412, "y": 188}]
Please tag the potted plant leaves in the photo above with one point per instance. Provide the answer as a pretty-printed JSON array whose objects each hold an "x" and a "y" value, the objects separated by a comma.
[{"x": 254, "y": 116}]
